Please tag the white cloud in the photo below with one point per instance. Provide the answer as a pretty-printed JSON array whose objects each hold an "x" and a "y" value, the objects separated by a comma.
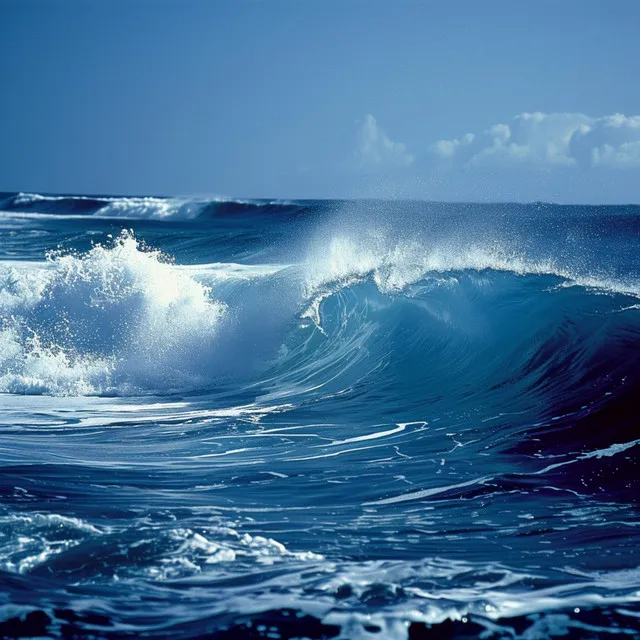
[
  {"x": 612, "y": 141},
  {"x": 549, "y": 139},
  {"x": 375, "y": 151}
]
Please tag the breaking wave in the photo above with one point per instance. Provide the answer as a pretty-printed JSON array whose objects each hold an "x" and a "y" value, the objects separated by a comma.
[
  {"x": 123, "y": 319},
  {"x": 115, "y": 319}
]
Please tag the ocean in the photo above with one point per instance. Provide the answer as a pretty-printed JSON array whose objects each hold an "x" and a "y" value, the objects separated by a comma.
[{"x": 318, "y": 419}]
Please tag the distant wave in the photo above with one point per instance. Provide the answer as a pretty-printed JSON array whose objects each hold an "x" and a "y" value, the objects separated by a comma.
[{"x": 134, "y": 208}]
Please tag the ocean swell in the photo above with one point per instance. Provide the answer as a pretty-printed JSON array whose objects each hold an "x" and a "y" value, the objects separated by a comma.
[{"x": 348, "y": 420}]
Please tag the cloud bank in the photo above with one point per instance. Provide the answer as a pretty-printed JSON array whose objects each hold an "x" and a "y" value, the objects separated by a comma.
[
  {"x": 559, "y": 157},
  {"x": 549, "y": 140}
]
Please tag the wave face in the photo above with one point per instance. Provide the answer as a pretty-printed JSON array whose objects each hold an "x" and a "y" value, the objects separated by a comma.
[{"x": 253, "y": 419}]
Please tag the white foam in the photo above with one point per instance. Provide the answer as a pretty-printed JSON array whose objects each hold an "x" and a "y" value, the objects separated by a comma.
[
  {"x": 117, "y": 319},
  {"x": 148, "y": 207},
  {"x": 29, "y": 198},
  {"x": 192, "y": 552},
  {"x": 28, "y": 541}
]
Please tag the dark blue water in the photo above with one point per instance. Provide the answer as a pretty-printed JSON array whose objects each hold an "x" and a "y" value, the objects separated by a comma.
[{"x": 318, "y": 419}]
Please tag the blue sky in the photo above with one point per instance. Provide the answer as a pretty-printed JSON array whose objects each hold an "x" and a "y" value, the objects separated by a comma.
[{"x": 455, "y": 100}]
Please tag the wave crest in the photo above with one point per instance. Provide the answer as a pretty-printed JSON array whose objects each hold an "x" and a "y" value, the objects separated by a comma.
[{"x": 117, "y": 318}]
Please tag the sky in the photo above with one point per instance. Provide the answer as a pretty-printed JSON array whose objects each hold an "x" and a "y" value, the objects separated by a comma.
[{"x": 498, "y": 100}]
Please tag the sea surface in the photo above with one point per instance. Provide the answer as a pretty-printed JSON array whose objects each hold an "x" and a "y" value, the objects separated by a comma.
[{"x": 318, "y": 419}]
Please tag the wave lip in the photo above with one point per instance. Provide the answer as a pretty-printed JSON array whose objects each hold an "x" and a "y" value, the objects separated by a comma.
[{"x": 396, "y": 263}]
